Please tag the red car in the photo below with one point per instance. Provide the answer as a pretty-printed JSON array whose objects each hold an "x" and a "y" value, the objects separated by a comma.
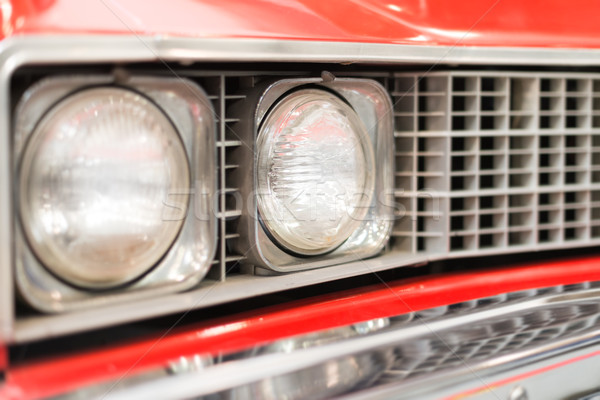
[{"x": 299, "y": 199}]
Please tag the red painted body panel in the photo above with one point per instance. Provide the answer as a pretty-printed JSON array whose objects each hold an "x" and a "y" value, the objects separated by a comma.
[
  {"x": 261, "y": 326},
  {"x": 539, "y": 23},
  {"x": 3, "y": 358}
]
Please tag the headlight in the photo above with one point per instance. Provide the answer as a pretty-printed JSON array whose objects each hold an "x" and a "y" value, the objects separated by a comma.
[
  {"x": 94, "y": 177},
  {"x": 321, "y": 155},
  {"x": 115, "y": 190},
  {"x": 315, "y": 172}
]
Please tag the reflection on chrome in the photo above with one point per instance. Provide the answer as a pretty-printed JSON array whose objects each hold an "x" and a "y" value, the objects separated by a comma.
[
  {"x": 322, "y": 381},
  {"x": 398, "y": 355}
]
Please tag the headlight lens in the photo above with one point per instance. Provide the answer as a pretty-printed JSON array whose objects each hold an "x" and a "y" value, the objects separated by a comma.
[
  {"x": 315, "y": 172},
  {"x": 94, "y": 178}
]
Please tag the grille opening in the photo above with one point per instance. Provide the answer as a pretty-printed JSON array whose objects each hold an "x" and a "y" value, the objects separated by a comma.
[
  {"x": 520, "y": 122},
  {"x": 487, "y": 143},
  {"x": 488, "y": 202},
  {"x": 545, "y": 160},
  {"x": 573, "y": 85},
  {"x": 459, "y": 103},
  {"x": 545, "y": 122},
  {"x": 457, "y": 243},
  {"x": 544, "y": 217},
  {"x": 574, "y": 103},
  {"x": 488, "y": 103},
  {"x": 570, "y": 234},
  {"x": 457, "y": 204},
  {"x": 519, "y": 219},
  {"x": 519, "y": 201},
  {"x": 457, "y": 223},
  {"x": 545, "y": 103},
  {"x": 487, "y": 162},
  {"x": 488, "y": 181},
  {"x": 459, "y": 144},
  {"x": 459, "y": 123},
  {"x": 486, "y": 240},
  {"x": 488, "y": 84},
  {"x": 486, "y": 221},
  {"x": 572, "y": 197},
  {"x": 520, "y": 142},
  {"x": 458, "y": 183},
  {"x": 459, "y": 84},
  {"x": 458, "y": 163}
]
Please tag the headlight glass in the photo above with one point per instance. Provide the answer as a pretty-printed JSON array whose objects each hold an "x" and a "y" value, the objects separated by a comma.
[
  {"x": 94, "y": 177},
  {"x": 315, "y": 172}
]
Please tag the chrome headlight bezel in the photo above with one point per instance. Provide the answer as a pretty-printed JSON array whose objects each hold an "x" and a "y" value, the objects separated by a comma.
[
  {"x": 188, "y": 259},
  {"x": 371, "y": 103}
]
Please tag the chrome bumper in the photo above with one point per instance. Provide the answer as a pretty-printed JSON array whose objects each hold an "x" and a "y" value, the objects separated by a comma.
[{"x": 544, "y": 343}]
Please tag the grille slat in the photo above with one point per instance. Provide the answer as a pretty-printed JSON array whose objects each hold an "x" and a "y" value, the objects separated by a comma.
[{"x": 222, "y": 96}]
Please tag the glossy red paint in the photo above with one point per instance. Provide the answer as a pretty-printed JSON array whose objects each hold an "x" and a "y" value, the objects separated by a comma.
[
  {"x": 539, "y": 23},
  {"x": 58, "y": 375},
  {"x": 3, "y": 358}
]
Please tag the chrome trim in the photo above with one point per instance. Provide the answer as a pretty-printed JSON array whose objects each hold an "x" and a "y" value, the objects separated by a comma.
[
  {"x": 560, "y": 377},
  {"x": 207, "y": 382},
  {"x": 260, "y": 364},
  {"x": 207, "y": 294},
  {"x": 97, "y": 48},
  {"x": 352, "y": 52}
]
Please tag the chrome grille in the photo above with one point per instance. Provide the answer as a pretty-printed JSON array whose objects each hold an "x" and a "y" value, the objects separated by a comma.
[
  {"x": 502, "y": 174},
  {"x": 490, "y": 162}
]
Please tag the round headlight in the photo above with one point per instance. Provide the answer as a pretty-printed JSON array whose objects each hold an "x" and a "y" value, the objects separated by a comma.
[
  {"x": 94, "y": 178},
  {"x": 315, "y": 172}
]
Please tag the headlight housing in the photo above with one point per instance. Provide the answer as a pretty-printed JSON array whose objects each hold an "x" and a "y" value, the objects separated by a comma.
[
  {"x": 323, "y": 173},
  {"x": 93, "y": 179},
  {"x": 105, "y": 178}
]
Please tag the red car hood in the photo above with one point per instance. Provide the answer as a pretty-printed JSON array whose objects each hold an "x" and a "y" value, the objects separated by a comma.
[{"x": 538, "y": 23}]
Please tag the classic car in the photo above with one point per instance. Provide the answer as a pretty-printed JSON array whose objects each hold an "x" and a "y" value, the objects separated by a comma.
[{"x": 358, "y": 199}]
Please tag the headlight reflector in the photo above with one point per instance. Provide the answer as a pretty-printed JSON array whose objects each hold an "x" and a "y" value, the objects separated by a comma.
[
  {"x": 94, "y": 177},
  {"x": 315, "y": 172}
]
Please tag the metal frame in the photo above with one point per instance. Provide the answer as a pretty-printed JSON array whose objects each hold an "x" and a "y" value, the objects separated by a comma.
[{"x": 54, "y": 50}]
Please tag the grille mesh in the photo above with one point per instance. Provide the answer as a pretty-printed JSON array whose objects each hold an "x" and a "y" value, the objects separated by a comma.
[
  {"x": 491, "y": 161},
  {"x": 492, "y": 338}
]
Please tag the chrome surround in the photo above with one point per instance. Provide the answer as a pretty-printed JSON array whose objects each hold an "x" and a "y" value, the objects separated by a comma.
[
  {"x": 188, "y": 259},
  {"x": 375, "y": 111},
  {"x": 16, "y": 52}
]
